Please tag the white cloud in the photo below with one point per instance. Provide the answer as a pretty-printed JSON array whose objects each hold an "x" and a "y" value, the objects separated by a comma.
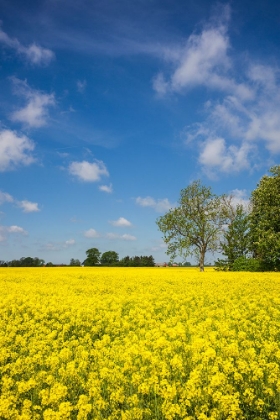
[
  {"x": 16, "y": 229},
  {"x": 127, "y": 237},
  {"x": 34, "y": 53},
  {"x": 160, "y": 85},
  {"x": 215, "y": 155},
  {"x": 124, "y": 237},
  {"x": 244, "y": 119},
  {"x": 69, "y": 242},
  {"x": 6, "y": 230},
  {"x": 5, "y": 198},
  {"x": 160, "y": 205},
  {"x": 121, "y": 222},
  {"x": 25, "y": 205},
  {"x": 88, "y": 172},
  {"x": 15, "y": 150},
  {"x": 240, "y": 197},
  {"x": 91, "y": 233},
  {"x": 35, "y": 112},
  {"x": 28, "y": 206},
  {"x": 106, "y": 188}
]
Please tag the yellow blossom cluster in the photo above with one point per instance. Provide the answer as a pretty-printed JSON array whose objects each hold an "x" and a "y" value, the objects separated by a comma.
[{"x": 139, "y": 343}]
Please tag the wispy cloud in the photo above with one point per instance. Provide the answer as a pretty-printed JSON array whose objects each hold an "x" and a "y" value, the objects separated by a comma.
[
  {"x": 69, "y": 242},
  {"x": 25, "y": 205},
  {"x": 15, "y": 150},
  {"x": 35, "y": 112},
  {"x": 88, "y": 171},
  {"x": 81, "y": 85},
  {"x": 121, "y": 222},
  {"x": 124, "y": 237},
  {"x": 5, "y": 198},
  {"x": 35, "y": 54},
  {"x": 243, "y": 117},
  {"x": 5, "y": 231},
  {"x": 160, "y": 205}
]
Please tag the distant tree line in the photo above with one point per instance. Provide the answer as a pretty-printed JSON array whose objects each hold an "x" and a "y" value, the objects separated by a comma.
[
  {"x": 111, "y": 259},
  {"x": 247, "y": 236},
  {"x": 23, "y": 262}
]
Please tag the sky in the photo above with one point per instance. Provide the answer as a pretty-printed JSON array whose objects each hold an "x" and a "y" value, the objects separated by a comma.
[{"x": 109, "y": 108}]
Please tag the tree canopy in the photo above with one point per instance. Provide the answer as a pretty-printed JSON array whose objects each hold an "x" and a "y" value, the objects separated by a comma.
[
  {"x": 109, "y": 258},
  {"x": 93, "y": 257},
  {"x": 194, "y": 227},
  {"x": 265, "y": 220}
]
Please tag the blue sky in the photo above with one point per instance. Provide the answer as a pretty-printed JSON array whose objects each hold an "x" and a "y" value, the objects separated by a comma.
[{"x": 109, "y": 108}]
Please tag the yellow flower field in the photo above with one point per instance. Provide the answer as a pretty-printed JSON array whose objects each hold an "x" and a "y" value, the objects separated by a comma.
[{"x": 139, "y": 343}]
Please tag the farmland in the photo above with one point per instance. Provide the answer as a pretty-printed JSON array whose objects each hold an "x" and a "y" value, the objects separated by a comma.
[{"x": 139, "y": 343}]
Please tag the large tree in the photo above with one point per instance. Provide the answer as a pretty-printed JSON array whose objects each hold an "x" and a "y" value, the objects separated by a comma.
[
  {"x": 93, "y": 257},
  {"x": 110, "y": 258},
  {"x": 236, "y": 238},
  {"x": 265, "y": 220},
  {"x": 194, "y": 227}
]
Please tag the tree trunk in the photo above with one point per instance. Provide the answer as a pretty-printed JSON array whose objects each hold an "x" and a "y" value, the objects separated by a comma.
[{"x": 201, "y": 259}]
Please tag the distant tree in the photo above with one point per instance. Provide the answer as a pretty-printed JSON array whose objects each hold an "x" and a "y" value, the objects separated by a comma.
[
  {"x": 194, "y": 226},
  {"x": 75, "y": 262},
  {"x": 93, "y": 257},
  {"x": 50, "y": 264},
  {"x": 187, "y": 264},
  {"x": 3, "y": 263},
  {"x": 125, "y": 262},
  {"x": 265, "y": 220},
  {"x": 109, "y": 258}
]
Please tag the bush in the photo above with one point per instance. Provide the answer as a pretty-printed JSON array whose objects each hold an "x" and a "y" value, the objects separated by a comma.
[{"x": 246, "y": 264}]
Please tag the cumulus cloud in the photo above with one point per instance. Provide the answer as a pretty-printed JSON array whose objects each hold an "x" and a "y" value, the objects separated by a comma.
[
  {"x": 35, "y": 112},
  {"x": 160, "y": 205},
  {"x": 25, "y": 205},
  {"x": 15, "y": 150},
  {"x": 240, "y": 197},
  {"x": 124, "y": 237},
  {"x": 6, "y": 230},
  {"x": 106, "y": 188},
  {"x": 121, "y": 222},
  {"x": 33, "y": 53},
  {"x": 216, "y": 155},
  {"x": 87, "y": 171},
  {"x": 28, "y": 206},
  {"x": 91, "y": 233}
]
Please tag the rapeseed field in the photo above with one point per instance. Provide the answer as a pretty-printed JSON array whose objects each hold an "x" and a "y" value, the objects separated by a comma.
[{"x": 137, "y": 343}]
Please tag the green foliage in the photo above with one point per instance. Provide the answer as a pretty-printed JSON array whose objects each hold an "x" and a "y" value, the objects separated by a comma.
[
  {"x": 265, "y": 220},
  {"x": 93, "y": 257},
  {"x": 246, "y": 264},
  {"x": 26, "y": 262},
  {"x": 109, "y": 258},
  {"x": 221, "y": 265},
  {"x": 194, "y": 226},
  {"x": 50, "y": 264},
  {"x": 236, "y": 239},
  {"x": 142, "y": 261}
]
